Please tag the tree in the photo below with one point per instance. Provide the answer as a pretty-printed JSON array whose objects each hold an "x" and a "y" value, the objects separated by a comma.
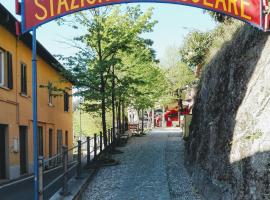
[
  {"x": 139, "y": 77},
  {"x": 196, "y": 48},
  {"x": 219, "y": 17},
  {"x": 109, "y": 32},
  {"x": 178, "y": 73}
]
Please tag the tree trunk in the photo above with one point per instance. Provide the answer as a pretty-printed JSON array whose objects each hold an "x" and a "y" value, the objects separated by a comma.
[
  {"x": 119, "y": 118},
  {"x": 102, "y": 89},
  {"x": 113, "y": 102},
  {"x": 123, "y": 117},
  {"x": 103, "y": 107}
]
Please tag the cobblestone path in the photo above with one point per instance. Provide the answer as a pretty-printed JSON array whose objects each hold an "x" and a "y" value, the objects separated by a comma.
[{"x": 152, "y": 168}]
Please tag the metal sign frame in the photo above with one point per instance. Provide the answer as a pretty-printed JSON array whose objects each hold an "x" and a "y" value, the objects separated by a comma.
[{"x": 107, "y": 3}]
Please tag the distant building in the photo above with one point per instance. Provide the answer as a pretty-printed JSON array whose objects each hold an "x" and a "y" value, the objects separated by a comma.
[{"x": 54, "y": 102}]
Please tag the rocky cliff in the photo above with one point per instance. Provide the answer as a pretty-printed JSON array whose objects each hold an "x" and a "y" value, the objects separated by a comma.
[{"x": 228, "y": 151}]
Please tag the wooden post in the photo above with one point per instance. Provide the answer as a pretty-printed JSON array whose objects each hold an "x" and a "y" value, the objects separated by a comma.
[
  {"x": 79, "y": 159},
  {"x": 64, "y": 191},
  {"x": 88, "y": 151},
  {"x": 40, "y": 179}
]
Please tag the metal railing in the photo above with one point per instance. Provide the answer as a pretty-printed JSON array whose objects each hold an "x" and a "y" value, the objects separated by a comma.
[{"x": 83, "y": 154}]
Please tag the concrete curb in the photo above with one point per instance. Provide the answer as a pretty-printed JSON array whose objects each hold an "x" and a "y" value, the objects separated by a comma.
[
  {"x": 85, "y": 184},
  {"x": 77, "y": 186}
]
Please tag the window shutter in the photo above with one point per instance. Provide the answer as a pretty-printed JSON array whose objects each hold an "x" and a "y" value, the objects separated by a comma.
[
  {"x": 22, "y": 85},
  {"x": 23, "y": 79},
  {"x": 10, "y": 71},
  {"x": 66, "y": 102}
]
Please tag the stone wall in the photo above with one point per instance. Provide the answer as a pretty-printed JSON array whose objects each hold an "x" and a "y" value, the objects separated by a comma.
[{"x": 228, "y": 149}]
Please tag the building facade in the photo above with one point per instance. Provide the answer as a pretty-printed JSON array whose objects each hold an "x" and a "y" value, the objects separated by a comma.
[{"x": 54, "y": 102}]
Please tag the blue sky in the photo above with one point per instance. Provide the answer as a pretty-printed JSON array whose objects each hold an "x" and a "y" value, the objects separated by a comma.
[{"x": 174, "y": 23}]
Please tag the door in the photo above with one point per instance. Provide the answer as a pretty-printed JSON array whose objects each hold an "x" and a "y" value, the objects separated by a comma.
[
  {"x": 23, "y": 149},
  {"x": 50, "y": 142},
  {"x": 59, "y": 141},
  {"x": 3, "y": 129},
  {"x": 40, "y": 141}
]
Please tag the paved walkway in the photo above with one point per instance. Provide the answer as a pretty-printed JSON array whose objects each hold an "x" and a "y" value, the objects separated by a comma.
[{"x": 151, "y": 169}]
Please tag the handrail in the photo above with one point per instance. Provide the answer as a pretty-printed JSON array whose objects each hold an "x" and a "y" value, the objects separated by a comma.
[
  {"x": 51, "y": 158},
  {"x": 95, "y": 147},
  {"x": 58, "y": 178}
]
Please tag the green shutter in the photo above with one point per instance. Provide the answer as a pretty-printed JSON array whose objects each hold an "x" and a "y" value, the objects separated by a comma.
[{"x": 23, "y": 79}]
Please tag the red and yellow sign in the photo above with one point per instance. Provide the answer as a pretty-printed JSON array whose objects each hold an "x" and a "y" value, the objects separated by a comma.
[{"x": 37, "y": 12}]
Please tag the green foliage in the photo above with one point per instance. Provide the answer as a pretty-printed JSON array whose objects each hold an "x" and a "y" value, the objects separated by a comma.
[
  {"x": 140, "y": 80},
  {"x": 178, "y": 73},
  {"x": 196, "y": 48},
  {"x": 219, "y": 17},
  {"x": 90, "y": 123},
  {"x": 112, "y": 40},
  {"x": 222, "y": 34}
]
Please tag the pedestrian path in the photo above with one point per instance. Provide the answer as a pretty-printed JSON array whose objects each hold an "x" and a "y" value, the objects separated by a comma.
[{"x": 152, "y": 168}]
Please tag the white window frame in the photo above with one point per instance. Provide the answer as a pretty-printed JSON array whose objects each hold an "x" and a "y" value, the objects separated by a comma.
[{"x": 2, "y": 54}]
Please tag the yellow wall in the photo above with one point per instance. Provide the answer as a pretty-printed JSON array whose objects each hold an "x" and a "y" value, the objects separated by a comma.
[{"x": 16, "y": 110}]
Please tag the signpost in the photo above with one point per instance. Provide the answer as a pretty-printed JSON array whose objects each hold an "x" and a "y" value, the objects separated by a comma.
[{"x": 37, "y": 12}]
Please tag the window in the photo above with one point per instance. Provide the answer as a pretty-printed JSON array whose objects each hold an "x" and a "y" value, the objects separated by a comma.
[
  {"x": 6, "y": 74},
  {"x": 66, "y": 101},
  {"x": 23, "y": 79}
]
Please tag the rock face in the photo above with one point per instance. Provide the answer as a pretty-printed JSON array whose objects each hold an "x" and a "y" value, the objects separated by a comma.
[{"x": 228, "y": 152}]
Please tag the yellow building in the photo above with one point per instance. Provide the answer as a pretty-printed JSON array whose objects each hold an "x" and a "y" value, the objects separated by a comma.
[{"x": 54, "y": 102}]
